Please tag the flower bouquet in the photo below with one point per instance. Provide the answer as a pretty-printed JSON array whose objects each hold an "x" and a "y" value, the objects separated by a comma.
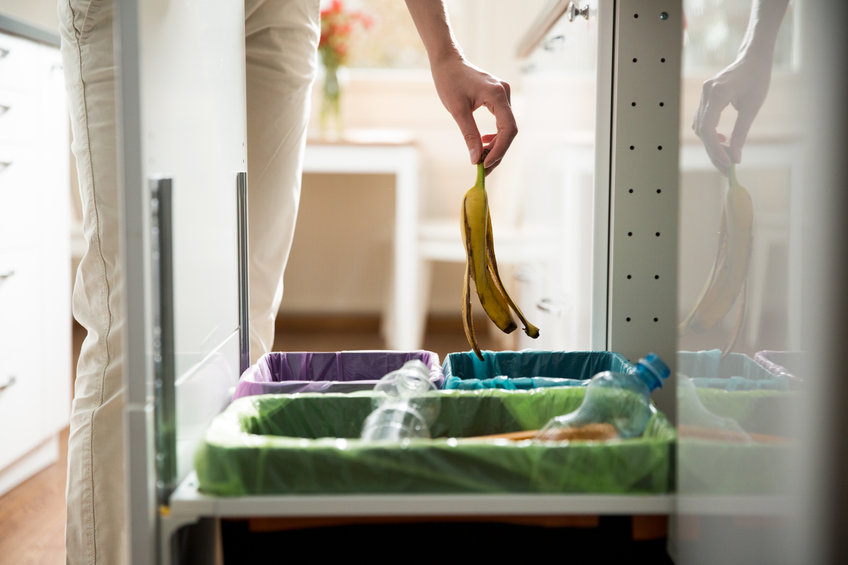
[{"x": 337, "y": 26}]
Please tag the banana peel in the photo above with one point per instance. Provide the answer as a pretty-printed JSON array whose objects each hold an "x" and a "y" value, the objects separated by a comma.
[
  {"x": 481, "y": 267},
  {"x": 727, "y": 282}
]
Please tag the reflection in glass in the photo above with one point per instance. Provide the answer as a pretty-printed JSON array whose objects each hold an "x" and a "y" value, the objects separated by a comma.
[{"x": 737, "y": 405}]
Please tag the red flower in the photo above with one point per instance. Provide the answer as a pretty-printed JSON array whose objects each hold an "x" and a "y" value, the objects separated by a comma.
[{"x": 337, "y": 25}]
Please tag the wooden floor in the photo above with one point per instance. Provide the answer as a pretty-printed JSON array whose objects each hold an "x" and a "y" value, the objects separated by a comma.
[{"x": 32, "y": 515}]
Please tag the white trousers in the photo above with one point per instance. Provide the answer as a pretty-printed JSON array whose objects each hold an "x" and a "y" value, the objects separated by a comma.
[{"x": 281, "y": 38}]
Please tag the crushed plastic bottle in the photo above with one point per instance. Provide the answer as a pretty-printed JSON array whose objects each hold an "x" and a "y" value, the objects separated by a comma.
[
  {"x": 404, "y": 407},
  {"x": 618, "y": 401}
]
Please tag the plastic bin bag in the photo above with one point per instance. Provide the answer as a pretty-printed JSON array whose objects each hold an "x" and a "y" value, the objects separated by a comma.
[
  {"x": 522, "y": 370},
  {"x": 737, "y": 387},
  {"x": 308, "y": 444},
  {"x": 734, "y": 371},
  {"x": 342, "y": 371},
  {"x": 786, "y": 364}
]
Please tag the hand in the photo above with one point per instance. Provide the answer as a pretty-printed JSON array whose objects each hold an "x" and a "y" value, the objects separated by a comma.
[
  {"x": 462, "y": 89},
  {"x": 744, "y": 85}
]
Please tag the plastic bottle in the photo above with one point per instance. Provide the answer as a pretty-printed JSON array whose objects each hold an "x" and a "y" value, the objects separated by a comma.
[
  {"x": 621, "y": 401},
  {"x": 404, "y": 406},
  {"x": 695, "y": 419}
]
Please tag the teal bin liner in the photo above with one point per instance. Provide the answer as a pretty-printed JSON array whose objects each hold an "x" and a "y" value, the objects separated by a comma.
[
  {"x": 523, "y": 370},
  {"x": 309, "y": 443},
  {"x": 734, "y": 371}
]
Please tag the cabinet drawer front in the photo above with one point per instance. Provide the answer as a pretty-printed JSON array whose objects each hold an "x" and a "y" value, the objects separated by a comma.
[
  {"x": 21, "y": 118},
  {"x": 18, "y": 60},
  {"x": 21, "y": 177},
  {"x": 22, "y": 417}
]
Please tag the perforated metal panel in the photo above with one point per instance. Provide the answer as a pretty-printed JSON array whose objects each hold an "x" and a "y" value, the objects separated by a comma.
[{"x": 643, "y": 188}]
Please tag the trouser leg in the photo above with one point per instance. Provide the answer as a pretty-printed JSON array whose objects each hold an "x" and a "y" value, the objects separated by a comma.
[
  {"x": 95, "y": 530},
  {"x": 281, "y": 40}
]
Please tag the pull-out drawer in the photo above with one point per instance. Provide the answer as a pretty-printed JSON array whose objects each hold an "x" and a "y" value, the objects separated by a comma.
[{"x": 23, "y": 421}]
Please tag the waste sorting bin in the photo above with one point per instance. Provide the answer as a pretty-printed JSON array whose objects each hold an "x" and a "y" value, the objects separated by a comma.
[
  {"x": 309, "y": 443},
  {"x": 521, "y": 370},
  {"x": 751, "y": 456},
  {"x": 341, "y": 371}
]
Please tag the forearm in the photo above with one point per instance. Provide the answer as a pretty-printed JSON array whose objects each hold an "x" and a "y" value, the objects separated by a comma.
[
  {"x": 431, "y": 21},
  {"x": 763, "y": 25}
]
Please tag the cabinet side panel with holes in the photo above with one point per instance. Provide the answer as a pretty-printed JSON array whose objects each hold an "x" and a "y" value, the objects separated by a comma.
[{"x": 644, "y": 184}]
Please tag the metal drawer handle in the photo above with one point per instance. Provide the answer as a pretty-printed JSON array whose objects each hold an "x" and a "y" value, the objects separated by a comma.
[
  {"x": 10, "y": 380},
  {"x": 5, "y": 165},
  {"x": 554, "y": 43},
  {"x": 549, "y": 305},
  {"x": 4, "y": 108},
  {"x": 573, "y": 11}
]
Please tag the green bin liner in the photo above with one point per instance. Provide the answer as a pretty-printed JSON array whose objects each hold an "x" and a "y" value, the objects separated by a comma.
[
  {"x": 309, "y": 444},
  {"x": 514, "y": 370},
  {"x": 733, "y": 468}
]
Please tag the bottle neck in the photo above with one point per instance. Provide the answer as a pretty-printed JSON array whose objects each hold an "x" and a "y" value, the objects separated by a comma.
[{"x": 650, "y": 375}]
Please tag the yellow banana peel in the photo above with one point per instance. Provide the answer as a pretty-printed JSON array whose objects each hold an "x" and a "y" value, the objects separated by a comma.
[
  {"x": 728, "y": 276},
  {"x": 482, "y": 268}
]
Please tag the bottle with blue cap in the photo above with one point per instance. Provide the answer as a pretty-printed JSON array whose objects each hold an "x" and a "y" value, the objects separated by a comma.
[{"x": 618, "y": 401}]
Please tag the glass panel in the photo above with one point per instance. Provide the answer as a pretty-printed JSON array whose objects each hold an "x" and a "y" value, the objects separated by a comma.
[
  {"x": 193, "y": 132},
  {"x": 740, "y": 377}
]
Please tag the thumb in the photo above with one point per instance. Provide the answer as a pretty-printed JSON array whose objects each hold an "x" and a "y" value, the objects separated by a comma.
[{"x": 468, "y": 128}]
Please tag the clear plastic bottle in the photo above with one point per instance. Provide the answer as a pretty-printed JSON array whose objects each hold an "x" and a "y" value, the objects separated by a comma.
[
  {"x": 696, "y": 421},
  {"x": 617, "y": 402},
  {"x": 404, "y": 406}
]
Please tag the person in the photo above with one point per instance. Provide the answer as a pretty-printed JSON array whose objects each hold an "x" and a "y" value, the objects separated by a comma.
[
  {"x": 743, "y": 84},
  {"x": 281, "y": 39}
]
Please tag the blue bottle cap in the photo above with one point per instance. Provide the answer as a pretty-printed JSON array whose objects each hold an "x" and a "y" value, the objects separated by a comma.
[{"x": 652, "y": 370}]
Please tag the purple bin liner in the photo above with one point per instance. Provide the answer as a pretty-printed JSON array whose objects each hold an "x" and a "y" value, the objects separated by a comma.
[
  {"x": 341, "y": 371},
  {"x": 787, "y": 364}
]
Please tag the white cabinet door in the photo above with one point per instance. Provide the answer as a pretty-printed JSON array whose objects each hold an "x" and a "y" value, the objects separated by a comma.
[{"x": 35, "y": 282}]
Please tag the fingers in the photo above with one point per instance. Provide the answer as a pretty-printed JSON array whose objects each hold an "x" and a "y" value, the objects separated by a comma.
[
  {"x": 713, "y": 102},
  {"x": 744, "y": 121},
  {"x": 507, "y": 129},
  {"x": 468, "y": 128}
]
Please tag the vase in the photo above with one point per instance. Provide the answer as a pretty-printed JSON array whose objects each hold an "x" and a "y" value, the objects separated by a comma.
[{"x": 331, "y": 120}]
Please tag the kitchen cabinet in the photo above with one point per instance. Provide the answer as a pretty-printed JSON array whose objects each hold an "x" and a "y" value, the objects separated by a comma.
[{"x": 35, "y": 282}]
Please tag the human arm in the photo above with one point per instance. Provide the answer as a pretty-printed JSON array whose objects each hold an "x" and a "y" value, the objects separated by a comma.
[
  {"x": 462, "y": 87},
  {"x": 742, "y": 84}
]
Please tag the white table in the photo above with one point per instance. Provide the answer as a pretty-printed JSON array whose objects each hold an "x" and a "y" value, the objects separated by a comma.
[{"x": 394, "y": 153}]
